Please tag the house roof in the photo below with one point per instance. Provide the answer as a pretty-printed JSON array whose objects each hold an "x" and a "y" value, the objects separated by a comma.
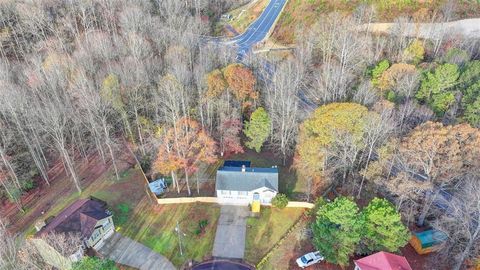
[
  {"x": 236, "y": 163},
  {"x": 80, "y": 217},
  {"x": 383, "y": 261},
  {"x": 232, "y": 178}
]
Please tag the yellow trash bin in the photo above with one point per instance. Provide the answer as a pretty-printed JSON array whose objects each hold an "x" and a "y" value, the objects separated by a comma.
[{"x": 256, "y": 203}]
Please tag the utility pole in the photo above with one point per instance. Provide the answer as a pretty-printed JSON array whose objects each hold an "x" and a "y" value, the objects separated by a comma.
[{"x": 179, "y": 233}]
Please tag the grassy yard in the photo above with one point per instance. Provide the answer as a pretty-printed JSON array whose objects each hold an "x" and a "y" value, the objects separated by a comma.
[
  {"x": 138, "y": 217},
  {"x": 129, "y": 189},
  {"x": 266, "y": 230},
  {"x": 155, "y": 228}
]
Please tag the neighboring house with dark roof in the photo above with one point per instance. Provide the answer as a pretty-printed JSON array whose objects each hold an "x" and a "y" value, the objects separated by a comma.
[
  {"x": 239, "y": 183},
  {"x": 382, "y": 261},
  {"x": 88, "y": 218}
]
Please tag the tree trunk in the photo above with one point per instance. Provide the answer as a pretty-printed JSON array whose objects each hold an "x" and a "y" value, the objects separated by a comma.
[
  {"x": 10, "y": 168},
  {"x": 69, "y": 164},
  {"x": 175, "y": 182},
  {"x": 425, "y": 209},
  {"x": 188, "y": 185},
  {"x": 459, "y": 263},
  {"x": 198, "y": 185},
  {"x": 363, "y": 176}
]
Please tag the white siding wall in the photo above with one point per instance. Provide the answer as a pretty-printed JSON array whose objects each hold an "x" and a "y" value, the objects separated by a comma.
[
  {"x": 234, "y": 197},
  {"x": 244, "y": 197}
]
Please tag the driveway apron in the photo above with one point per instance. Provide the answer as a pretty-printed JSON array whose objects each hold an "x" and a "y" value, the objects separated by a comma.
[
  {"x": 231, "y": 232},
  {"x": 128, "y": 252}
]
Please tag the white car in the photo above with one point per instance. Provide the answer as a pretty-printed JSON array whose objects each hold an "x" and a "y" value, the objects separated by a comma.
[{"x": 309, "y": 259}]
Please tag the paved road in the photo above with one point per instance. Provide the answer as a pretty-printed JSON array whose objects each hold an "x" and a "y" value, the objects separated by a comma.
[
  {"x": 231, "y": 232},
  {"x": 222, "y": 265},
  {"x": 128, "y": 252},
  {"x": 259, "y": 29}
]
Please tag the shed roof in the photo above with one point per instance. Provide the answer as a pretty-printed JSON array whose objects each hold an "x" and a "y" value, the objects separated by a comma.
[
  {"x": 233, "y": 178},
  {"x": 431, "y": 238},
  {"x": 383, "y": 261},
  {"x": 80, "y": 217}
]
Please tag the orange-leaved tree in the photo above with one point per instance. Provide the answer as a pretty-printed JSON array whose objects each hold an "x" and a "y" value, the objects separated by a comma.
[
  {"x": 439, "y": 154},
  {"x": 241, "y": 82},
  {"x": 394, "y": 74},
  {"x": 216, "y": 83},
  {"x": 184, "y": 147}
]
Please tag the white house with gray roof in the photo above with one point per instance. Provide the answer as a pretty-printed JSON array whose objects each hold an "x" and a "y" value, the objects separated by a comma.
[{"x": 238, "y": 185}]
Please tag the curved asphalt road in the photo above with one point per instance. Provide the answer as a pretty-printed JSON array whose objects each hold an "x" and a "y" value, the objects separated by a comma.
[
  {"x": 259, "y": 29},
  {"x": 221, "y": 265}
]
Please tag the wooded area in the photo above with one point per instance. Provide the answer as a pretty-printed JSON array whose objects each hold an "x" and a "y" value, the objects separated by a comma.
[{"x": 391, "y": 115}]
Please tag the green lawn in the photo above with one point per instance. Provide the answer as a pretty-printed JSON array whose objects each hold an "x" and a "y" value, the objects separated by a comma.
[
  {"x": 266, "y": 230},
  {"x": 138, "y": 217},
  {"x": 154, "y": 226}
]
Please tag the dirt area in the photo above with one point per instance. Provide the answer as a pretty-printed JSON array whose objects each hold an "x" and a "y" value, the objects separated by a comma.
[{"x": 45, "y": 199}]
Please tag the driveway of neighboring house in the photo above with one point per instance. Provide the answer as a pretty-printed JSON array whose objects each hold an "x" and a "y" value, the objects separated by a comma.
[
  {"x": 126, "y": 251},
  {"x": 231, "y": 232}
]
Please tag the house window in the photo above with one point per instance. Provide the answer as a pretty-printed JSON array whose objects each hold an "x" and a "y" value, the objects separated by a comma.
[
  {"x": 95, "y": 235},
  {"x": 243, "y": 193},
  {"x": 225, "y": 192}
]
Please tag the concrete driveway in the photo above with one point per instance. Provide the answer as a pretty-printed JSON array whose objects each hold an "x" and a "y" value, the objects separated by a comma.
[
  {"x": 231, "y": 231},
  {"x": 128, "y": 252}
]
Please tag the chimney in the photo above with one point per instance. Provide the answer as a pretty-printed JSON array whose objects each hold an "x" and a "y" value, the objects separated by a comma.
[{"x": 243, "y": 168}]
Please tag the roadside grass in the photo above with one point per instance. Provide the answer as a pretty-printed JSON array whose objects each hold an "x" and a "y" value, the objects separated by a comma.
[
  {"x": 154, "y": 226},
  {"x": 265, "y": 231}
]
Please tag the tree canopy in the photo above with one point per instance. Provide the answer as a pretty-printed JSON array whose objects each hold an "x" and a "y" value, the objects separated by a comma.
[
  {"x": 383, "y": 229},
  {"x": 320, "y": 132},
  {"x": 184, "y": 147},
  {"x": 341, "y": 229},
  {"x": 257, "y": 129},
  {"x": 241, "y": 82},
  {"x": 436, "y": 87},
  {"x": 337, "y": 230}
]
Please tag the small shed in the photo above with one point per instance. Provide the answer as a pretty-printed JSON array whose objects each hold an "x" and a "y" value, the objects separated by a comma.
[
  {"x": 158, "y": 186},
  {"x": 427, "y": 241}
]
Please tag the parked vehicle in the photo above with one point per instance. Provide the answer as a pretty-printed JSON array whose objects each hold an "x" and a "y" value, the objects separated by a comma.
[{"x": 309, "y": 259}]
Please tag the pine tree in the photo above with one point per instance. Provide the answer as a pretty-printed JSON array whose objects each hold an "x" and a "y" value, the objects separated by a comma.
[
  {"x": 337, "y": 230},
  {"x": 383, "y": 228}
]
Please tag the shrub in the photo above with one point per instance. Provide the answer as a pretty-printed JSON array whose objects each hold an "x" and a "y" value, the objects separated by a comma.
[
  {"x": 202, "y": 224},
  {"x": 280, "y": 201},
  {"x": 378, "y": 70},
  {"x": 28, "y": 185}
]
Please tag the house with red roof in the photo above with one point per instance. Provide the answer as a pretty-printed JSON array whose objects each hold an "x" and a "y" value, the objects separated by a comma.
[
  {"x": 89, "y": 219},
  {"x": 382, "y": 261}
]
